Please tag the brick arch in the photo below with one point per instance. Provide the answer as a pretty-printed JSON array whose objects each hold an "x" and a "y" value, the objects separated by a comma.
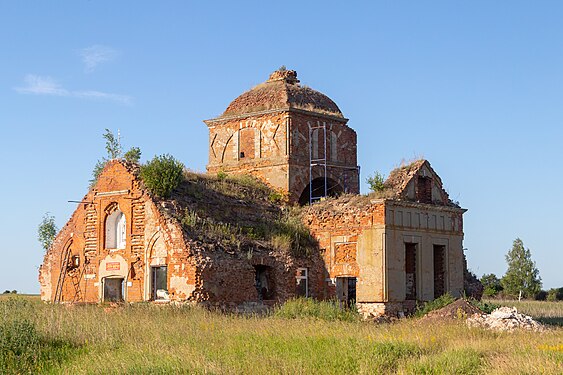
[
  {"x": 67, "y": 246},
  {"x": 155, "y": 239},
  {"x": 229, "y": 145},
  {"x": 318, "y": 185},
  {"x": 151, "y": 260},
  {"x": 299, "y": 188},
  {"x": 114, "y": 221},
  {"x": 111, "y": 208}
]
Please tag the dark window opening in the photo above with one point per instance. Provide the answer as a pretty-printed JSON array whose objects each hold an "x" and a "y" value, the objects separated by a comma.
[
  {"x": 316, "y": 190},
  {"x": 113, "y": 289},
  {"x": 74, "y": 262},
  {"x": 159, "y": 283},
  {"x": 424, "y": 190},
  {"x": 242, "y": 154},
  {"x": 264, "y": 282},
  {"x": 302, "y": 282},
  {"x": 410, "y": 271},
  {"x": 346, "y": 291},
  {"x": 439, "y": 270}
]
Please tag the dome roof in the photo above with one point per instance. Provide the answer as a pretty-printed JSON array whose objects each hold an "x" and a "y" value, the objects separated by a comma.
[{"x": 281, "y": 91}]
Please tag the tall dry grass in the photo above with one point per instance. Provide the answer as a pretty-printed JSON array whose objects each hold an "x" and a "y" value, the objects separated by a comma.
[{"x": 145, "y": 338}]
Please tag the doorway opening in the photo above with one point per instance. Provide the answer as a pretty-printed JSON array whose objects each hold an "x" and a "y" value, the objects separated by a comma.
[
  {"x": 113, "y": 289},
  {"x": 159, "y": 283},
  {"x": 264, "y": 282},
  {"x": 346, "y": 291},
  {"x": 439, "y": 270},
  {"x": 410, "y": 271}
]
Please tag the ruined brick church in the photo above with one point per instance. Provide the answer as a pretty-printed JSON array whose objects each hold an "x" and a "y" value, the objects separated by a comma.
[{"x": 382, "y": 251}]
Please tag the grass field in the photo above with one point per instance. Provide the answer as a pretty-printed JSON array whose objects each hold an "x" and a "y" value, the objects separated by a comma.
[{"x": 149, "y": 339}]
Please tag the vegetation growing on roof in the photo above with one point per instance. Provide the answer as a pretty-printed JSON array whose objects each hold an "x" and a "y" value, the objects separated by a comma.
[
  {"x": 239, "y": 213},
  {"x": 114, "y": 150},
  {"x": 162, "y": 175},
  {"x": 133, "y": 155},
  {"x": 376, "y": 181}
]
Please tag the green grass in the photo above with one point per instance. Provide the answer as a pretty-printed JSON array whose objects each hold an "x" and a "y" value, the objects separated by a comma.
[
  {"x": 307, "y": 308},
  {"x": 149, "y": 339}
]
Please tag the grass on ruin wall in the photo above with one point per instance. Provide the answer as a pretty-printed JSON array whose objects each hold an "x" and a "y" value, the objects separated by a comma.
[{"x": 271, "y": 224}]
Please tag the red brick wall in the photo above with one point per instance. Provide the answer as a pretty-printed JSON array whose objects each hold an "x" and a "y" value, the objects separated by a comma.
[
  {"x": 85, "y": 234},
  {"x": 337, "y": 225},
  {"x": 282, "y": 161}
]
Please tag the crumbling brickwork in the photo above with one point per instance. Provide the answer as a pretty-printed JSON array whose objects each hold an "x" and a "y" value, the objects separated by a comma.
[
  {"x": 368, "y": 238},
  {"x": 277, "y": 130},
  {"x": 84, "y": 236},
  {"x": 154, "y": 238},
  {"x": 383, "y": 252}
]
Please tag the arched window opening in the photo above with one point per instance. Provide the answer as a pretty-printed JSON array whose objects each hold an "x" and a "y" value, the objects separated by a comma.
[
  {"x": 333, "y": 146},
  {"x": 315, "y": 143},
  {"x": 116, "y": 230}
]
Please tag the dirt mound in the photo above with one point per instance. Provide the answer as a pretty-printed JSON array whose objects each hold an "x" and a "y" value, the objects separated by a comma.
[{"x": 459, "y": 309}]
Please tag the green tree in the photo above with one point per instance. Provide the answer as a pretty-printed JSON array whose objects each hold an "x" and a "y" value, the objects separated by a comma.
[
  {"x": 522, "y": 277},
  {"x": 162, "y": 174},
  {"x": 114, "y": 151},
  {"x": 113, "y": 145},
  {"x": 133, "y": 155},
  {"x": 555, "y": 294},
  {"x": 376, "y": 182},
  {"x": 491, "y": 284},
  {"x": 47, "y": 231}
]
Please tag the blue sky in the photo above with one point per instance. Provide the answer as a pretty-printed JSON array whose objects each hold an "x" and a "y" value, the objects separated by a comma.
[{"x": 474, "y": 87}]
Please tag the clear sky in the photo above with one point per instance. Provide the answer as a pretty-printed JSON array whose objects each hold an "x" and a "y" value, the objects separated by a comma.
[{"x": 474, "y": 87}]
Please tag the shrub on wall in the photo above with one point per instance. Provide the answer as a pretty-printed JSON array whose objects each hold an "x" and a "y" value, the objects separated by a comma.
[{"x": 162, "y": 175}]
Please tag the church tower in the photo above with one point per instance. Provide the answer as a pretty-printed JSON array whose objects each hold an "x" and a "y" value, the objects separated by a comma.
[{"x": 291, "y": 136}]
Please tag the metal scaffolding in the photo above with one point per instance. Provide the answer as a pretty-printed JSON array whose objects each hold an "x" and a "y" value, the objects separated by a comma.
[{"x": 318, "y": 159}]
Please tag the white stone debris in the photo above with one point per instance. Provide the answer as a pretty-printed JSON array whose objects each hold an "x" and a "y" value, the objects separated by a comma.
[{"x": 505, "y": 319}]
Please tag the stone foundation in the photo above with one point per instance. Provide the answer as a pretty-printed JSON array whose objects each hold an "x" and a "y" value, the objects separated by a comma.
[{"x": 373, "y": 310}]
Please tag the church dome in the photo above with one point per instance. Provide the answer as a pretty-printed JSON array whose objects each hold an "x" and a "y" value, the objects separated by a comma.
[{"x": 282, "y": 91}]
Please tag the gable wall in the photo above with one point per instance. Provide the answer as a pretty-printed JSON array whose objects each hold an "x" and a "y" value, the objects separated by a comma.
[{"x": 150, "y": 240}]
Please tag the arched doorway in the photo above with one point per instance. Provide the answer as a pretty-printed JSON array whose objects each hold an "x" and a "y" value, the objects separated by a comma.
[{"x": 316, "y": 190}]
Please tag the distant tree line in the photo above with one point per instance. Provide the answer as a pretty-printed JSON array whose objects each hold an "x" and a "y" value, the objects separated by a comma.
[{"x": 521, "y": 280}]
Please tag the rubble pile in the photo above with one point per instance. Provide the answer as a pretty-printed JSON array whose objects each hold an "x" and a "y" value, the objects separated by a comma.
[{"x": 504, "y": 319}]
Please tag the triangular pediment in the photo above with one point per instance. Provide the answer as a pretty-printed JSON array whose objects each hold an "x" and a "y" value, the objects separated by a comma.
[{"x": 417, "y": 182}]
